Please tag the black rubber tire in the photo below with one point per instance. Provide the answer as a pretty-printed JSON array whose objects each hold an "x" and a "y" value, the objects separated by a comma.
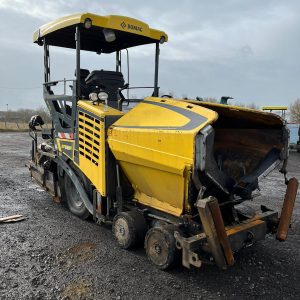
[
  {"x": 129, "y": 229},
  {"x": 73, "y": 199},
  {"x": 160, "y": 246},
  {"x": 61, "y": 184}
]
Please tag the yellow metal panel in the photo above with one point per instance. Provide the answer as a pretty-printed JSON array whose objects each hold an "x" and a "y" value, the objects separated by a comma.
[
  {"x": 92, "y": 172},
  {"x": 99, "y": 109},
  {"x": 92, "y": 139},
  {"x": 154, "y": 143},
  {"x": 58, "y": 144},
  {"x": 151, "y": 183},
  {"x": 121, "y": 23},
  {"x": 163, "y": 117},
  {"x": 165, "y": 113},
  {"x": 154, "y": 150}
]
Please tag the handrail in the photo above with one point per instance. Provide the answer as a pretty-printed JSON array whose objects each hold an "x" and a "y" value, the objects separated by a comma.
[
  {"x": 139, "y": 87},
  {"x": 57, "y": 81},
  {"x": 54, "y": 83}
]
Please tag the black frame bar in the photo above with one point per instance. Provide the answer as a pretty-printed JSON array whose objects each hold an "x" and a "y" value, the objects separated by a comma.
[
  {"x": 118, "y": 61},
  {"x": 51, "y": 99},
  {"x": 46, "y": 62},
  {"x": 77, "y": 39},
  {"x": 156, "y": 88}
]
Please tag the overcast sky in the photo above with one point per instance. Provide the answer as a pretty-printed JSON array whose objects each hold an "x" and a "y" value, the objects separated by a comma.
[{"x": 245, "y": 49}]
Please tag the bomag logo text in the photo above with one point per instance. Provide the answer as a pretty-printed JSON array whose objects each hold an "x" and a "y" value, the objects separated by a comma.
[{"x": 131, "y": 27}]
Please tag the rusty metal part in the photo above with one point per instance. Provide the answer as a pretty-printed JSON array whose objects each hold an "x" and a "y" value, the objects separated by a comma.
[
  {"x": 246, "y": 234},
  {"x": 212, "y": 234},
  {"x": 45, "y": 178},
  {"x": 56, "y": 199},
  {"x": 238, "y": 228},
  {"x": 287, "y": 209},
  {"x": 220, "y": 228},
  {"x": 237, "y": 236},
  {"x": 187, "y": 245}
]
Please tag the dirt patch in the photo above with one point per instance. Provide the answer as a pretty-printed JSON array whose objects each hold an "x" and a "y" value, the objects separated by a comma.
[
  {"x": 76, "y": 255},
  {"x": 77, "y": 290}
]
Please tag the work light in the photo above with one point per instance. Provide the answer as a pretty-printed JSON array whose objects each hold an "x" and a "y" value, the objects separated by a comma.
[
  {"x": 109, "y": 35},
  {"x": 87, "y": 23},
  {"x": 162, "y": 39},
  {"x": 103, "y": 96},
  {"x": 93, "y": 96}
]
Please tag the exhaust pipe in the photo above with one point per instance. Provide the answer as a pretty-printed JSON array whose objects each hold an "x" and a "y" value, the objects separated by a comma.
[{"x": 287, "y": 209}]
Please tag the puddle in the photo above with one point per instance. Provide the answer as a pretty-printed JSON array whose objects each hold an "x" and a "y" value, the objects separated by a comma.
[
  {"x": 76, "y": 254},
  {"x": 77, "y": 290}
]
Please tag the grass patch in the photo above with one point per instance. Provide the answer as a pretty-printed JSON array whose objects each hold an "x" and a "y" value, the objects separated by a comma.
[
  {"x": 17, "y": 127},
  {"x": 13, "y": 126}
]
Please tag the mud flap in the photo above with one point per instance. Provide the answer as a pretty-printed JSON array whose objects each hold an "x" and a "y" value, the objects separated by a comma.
[{"x": 76, "y": 182}]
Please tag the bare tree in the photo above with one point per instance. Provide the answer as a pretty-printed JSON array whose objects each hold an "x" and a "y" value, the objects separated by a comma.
[
  {"x": 295, "y": 111},
  {"x": 246, "y": 105},
  {"x": 184, "y": 96},
  {"x": 210, "y": 99},
  {"x": 23, "y": 115}
]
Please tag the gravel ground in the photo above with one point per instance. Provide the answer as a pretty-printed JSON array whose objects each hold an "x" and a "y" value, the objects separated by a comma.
[{"x": 54, "y": 255}]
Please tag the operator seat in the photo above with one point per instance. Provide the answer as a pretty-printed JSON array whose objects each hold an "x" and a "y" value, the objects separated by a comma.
[
  {"x": 84, "y": 88},
  {"x": 109, "y": 82}
]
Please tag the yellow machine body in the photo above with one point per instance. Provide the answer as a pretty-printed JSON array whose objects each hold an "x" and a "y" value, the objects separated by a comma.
[
  {"x": 188, "y": 163},
  {"x": 154, "y": 143},
  {"x": 155, "y": 146}
]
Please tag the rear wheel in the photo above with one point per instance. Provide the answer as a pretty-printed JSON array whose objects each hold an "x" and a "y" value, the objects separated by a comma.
[
  {"x": 73, "y": 199},
  {"x": 70, "y": 195},
  {"x": 160, "y": 246},
  {"x": 129, "y": 229}
]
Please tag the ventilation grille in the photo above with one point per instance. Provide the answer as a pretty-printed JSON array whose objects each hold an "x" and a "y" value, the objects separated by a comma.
[{"x": 89, "y": 137}]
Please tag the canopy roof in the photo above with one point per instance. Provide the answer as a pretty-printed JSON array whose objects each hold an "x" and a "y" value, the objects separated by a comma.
[{"x": 129, "y": 33}]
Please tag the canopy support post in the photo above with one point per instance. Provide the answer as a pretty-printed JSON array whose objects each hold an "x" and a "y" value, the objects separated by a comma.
[
  {"x": 156, "y": 88},
  {"x": 46, "y": 62},
  {"x": 118, "y": 61},
  {"x": 77, "y": 39}
]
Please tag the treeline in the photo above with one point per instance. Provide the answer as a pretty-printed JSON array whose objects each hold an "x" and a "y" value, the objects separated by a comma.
[
  {"x": 295, "y": 111},
  {"x": 23, "y": 115}
]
